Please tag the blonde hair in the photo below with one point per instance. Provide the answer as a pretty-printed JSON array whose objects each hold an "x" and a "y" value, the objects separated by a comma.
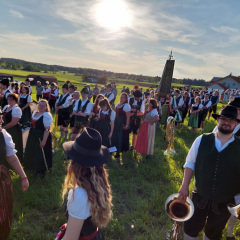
[
  {"x": 46, "y": 102},
  {"x": 94, "y": 180}
]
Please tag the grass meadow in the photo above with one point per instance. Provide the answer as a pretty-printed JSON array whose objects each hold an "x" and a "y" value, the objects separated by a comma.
[{"x": 140, "y": 187}]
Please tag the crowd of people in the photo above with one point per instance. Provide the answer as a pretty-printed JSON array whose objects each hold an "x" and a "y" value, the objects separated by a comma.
[{"x": 94, "y": 122}]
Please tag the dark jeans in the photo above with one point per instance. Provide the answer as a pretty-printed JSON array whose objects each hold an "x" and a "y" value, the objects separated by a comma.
[
  {"x": 214, "y": 215},
  {"x": 39, "y": 97}
]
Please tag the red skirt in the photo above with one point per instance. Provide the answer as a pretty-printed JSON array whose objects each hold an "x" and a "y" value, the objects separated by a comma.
[{"x": 142, "y": 140}]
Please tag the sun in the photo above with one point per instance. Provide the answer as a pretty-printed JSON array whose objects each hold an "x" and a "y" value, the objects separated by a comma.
[{"x": 113, "y": 14}]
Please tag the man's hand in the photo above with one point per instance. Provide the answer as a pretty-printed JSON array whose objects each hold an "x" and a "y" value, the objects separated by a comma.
[{"x": 183, "y": 193}]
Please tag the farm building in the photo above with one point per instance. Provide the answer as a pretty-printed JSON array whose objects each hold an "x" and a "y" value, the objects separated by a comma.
[
  {"x": 4, "y": 75},
  {"x": 42, "y": 78},
  {"x": 229, "y": 82}
]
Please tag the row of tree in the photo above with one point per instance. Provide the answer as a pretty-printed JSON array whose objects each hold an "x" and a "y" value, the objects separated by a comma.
[{"x": 17, "y": 64}]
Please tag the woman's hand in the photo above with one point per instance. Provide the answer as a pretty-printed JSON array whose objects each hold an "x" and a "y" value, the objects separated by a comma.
[
  {"x": 110, "y": 135},
  {"x": 25, "y": 185},
  {"x": 42, "y": 144},
  {"x": 125, "y": 128}
]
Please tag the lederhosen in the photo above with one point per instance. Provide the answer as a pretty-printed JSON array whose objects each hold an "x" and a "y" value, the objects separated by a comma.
[
  {"x": 135, "y": 121},
  {"x": 217, "y": 177},
  {"x": 72, "y": 119},
  {"x": 213, "y": 100},
  {"x": 203, "y": 113},
  {"x": 184, "y": 108},
  {"x": 120, "y": 137},
  {"x": 93, "y": 123},
  {"x": 33, "y": 157},
  {"x": 81, "y": 121},
  {"x": 4, "y": 99},
  {"x": 16, "y": 134},
  {"x": 104, "y": 127},
  {"x": 26, "y": 113},
  {"x": 6, "y": 193},
  {"x": 63, "y": 114}
]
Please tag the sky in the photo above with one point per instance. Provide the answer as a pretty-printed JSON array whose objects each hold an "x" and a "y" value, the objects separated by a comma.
[{"x": 126, "y": 36}]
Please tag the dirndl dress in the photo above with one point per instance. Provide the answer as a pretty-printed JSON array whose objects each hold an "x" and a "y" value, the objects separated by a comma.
[
  {"x": 26, "y": 113},
  {"x": 165, "y": 114},
  {"x": 193, "y": 119},
  {"x": 93, "y": 123}
]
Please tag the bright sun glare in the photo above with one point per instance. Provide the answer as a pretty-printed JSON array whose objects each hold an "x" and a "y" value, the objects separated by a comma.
[{"x": 113, "y": 14}]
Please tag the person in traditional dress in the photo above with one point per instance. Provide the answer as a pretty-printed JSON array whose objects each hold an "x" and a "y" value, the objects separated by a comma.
[
  {"x": 16, "y": 89},
  {"x": 39, "y": 89},
  {"x": 175, "y": 107},
  {"x": 12, "y": 115},
  {"x": 214, "y": 159},
  {"x": 226, "y": 96},
  {"x": 137, "y": 111},
  {"x": 6, "y": 92},
  {"x": 165, "y": 109},
  {"x": 194, "y": 114},
  {"x": 146, "y": 136},
  {"x": 120, "y": 137},
  {"x": 95, "y": 111},
  {"x": 109, "y": 95},
  {"x": 88, "y": 208},
  {"x": 22, "y": 85},
  {"x": 63, "y": 111},
  {"x": 8, "y": 153},
  {"x": 27, "y": 82},
  {"x": 46, "y": 91},
  {"x": 185, "y": 107},
  {"x": 206, "y": 104},
  {"x": 95, "y": 92},
  {"x": 215, "y": 100},
  {"x": 38, "y": 153},
  {"x": 25, "y": 100},
  {"x": 105, "y": 122},
  {"x": 81, "y": 111},
  {"x": 53, "y": 97}
]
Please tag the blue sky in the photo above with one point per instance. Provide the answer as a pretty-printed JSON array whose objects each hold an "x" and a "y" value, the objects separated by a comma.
[{"x": 132, "y": 36}]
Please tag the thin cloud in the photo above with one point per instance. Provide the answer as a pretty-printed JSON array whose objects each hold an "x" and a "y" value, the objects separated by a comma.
[
  {"x": 16, "y": 14},
  {"x": 225, "y": 29}
]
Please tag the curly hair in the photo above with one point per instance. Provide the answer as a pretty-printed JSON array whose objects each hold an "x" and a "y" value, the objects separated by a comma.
[{"x": 94, "y": 180}]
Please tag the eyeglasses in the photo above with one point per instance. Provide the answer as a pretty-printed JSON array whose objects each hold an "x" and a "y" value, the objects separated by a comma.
[{"x": 224, "y": 119}]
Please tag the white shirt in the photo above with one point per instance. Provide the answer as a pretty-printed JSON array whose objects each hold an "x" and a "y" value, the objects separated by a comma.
[
  {"x": 46, "y": 90},
  {"x": 6, "y": 92},
  {"x": 55, "y": 94},
  {"x": 78, "y": 205},
  {"x": 30, "y": 89},
  {"x": 10, "y": 146},
  {"x": 111, "y": 97},
  {"x": 16, "y": 110},
  {"x": 47, "y": 118},
  {"x": 66, "y": 104},
  {"x": 180, "y": 103},
  {"x": 29, "y": 97},
  {"x": 193, "y": 152},
  {"x": 88, "y": 108},
  {"x": 154, "y": 112},
  {"x": 126, "y": 107},
  {"x": 199, "y": 106},
  {"x": 208, "y": 104},
  {"x": 142, "y": 108},
  {"x": 112, "y": 117},
  {"x": 159, "y": 105}
]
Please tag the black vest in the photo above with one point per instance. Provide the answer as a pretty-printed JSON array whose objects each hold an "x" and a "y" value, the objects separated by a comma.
[
  {"x": 4, "y": 99},
  {"x": 177, "y": 101},
  {"x": 214, "y": 99},
  {"x": 62, "y": 100},
  {"x": 82, "y": 109},
  {"x": 217, "y": 174},
  {"x": 205, "y": 104},
  {"x": 138, "y": 106},
  {"x": 2, "y": 149}
]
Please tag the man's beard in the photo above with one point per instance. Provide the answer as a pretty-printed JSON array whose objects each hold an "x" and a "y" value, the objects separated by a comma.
[{"x": 225, "y": 131}]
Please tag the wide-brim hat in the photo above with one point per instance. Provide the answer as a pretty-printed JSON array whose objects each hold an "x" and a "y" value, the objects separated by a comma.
[
  {"x": 235, "y": 102},
  {"x": 87, "y": 149},
  {"x": 227, "y": 111},
  {"x": 137, "y": 94}
]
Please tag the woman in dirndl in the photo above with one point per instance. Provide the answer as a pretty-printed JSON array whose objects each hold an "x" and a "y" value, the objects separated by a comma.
[
  {"x": 105, "y": 122},
  {"x": 89, "y": 205},
  {"x": 25, "y": 100},
  {"x": 146, "y": 136},
  {"x": 95, "y": 110},
  {"x": 194, "y": 114},
  {"x": 38, "y": 153},
  {"x": 7, "y": 153},
  {"x": 120, "y": 137},
  {"x": 226, "y": 96},
  {"x": 12, "y": 115}
]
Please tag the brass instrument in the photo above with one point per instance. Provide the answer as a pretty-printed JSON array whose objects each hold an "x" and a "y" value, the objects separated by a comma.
[
  {"x": 170, "y": 130},
  {"x": 180, "y": 211}
]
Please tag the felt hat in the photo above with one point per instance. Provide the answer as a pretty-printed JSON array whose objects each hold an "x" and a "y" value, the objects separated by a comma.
[
  {"x": 87, "y": 149},
  {"x": 137, "y": 94},
  {"x": 227, "y": 111},
  {"x": 65, "y": 86},
  {"x": 235, "y": 102},
  {"x": 72, "y": 86},
  {"x": 85, "y": 90}
]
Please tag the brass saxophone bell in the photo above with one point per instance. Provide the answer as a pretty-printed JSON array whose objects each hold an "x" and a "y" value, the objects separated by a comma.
[
  {"x": 234, "y": 210},
  {"x": 177, "y": 209}
]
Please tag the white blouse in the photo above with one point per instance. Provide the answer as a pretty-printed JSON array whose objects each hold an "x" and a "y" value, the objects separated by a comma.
[
  {"x": 16, "y": 110},
  {"x": 29, "y": 97},
  {"x": 112, "y": 117},
  {"x": 126, "y": 107},
  {"x": 47, "y": 118},
  {"x": 154, "y": 112},
  {"x": 10, "y": 146},
  {"x": 78, "y": 205}
]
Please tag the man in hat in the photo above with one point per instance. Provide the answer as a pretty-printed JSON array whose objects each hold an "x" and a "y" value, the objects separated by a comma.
[
  {"x": 61, "y": 107},
  {"x": 137, "y": 111},
  {"x": 6, "y": 91},
  {"x": 214, "y": 159},
  {"x": 53, "y": 97},
  {"x": 109, "y": 95},
  {"x": 81, "y": 111}
]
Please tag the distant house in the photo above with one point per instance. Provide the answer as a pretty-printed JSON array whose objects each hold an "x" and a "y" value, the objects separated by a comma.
[
  {"x": 229, "y": 82},
  {"x": 92, "y": 80},
  {"x": 42, "y": 78},
  {"x": 5, "y": 75}
]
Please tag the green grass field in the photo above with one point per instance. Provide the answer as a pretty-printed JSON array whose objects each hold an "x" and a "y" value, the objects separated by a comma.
[{"x": 140, "y": 187}]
